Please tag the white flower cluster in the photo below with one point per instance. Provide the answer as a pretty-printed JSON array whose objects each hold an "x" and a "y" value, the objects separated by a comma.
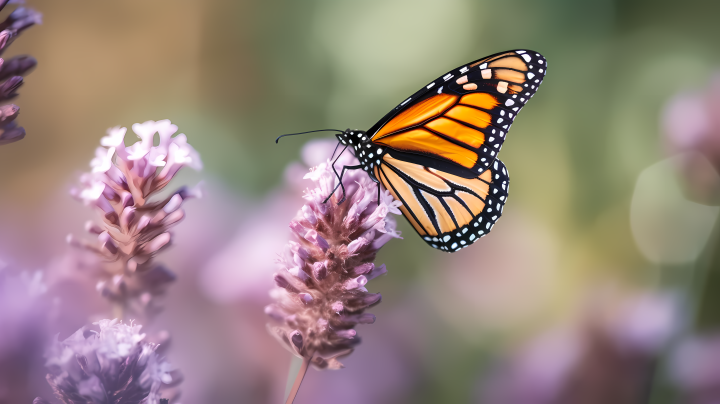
[{"x": 135, "y": 168}]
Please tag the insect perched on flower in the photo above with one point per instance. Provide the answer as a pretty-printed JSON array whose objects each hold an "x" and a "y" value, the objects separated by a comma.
[{"x": 437, "y": 151}]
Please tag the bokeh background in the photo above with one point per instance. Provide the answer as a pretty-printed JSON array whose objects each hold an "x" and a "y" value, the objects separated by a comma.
[{"x": 608, "y": 236}]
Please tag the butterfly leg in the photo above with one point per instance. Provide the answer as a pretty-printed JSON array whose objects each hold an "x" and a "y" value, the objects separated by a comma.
[
  {"x": 340, "y": 183},
  {"x": 334, "y": 151},
  {"x": 335, "y": 161},
  {"x": 335, "y": 171},
  {"x": 378, "y": 193}
]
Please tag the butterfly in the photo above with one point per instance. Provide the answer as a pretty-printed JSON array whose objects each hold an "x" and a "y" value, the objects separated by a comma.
[{"x": 436, "y": 152}]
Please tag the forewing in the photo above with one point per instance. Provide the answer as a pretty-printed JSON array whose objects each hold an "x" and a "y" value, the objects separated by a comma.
[
  {"x": 461, "y": 119},
  {"x": 449, "y": 212}
]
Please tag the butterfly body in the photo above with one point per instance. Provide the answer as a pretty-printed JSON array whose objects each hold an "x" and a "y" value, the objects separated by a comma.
[{"x": 436, "y": 151}]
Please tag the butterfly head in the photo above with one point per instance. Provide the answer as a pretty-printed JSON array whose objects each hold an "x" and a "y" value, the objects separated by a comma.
[
  {"x": 365, "y": 151},
  {"x": 357, "y": 139},
  {"x": 352, "y": 138}
]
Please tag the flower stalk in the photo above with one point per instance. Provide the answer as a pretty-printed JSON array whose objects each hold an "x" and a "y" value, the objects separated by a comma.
[{"x": 298, "y": 380}]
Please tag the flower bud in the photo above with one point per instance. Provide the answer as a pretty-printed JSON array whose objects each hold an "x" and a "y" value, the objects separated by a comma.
[
  {"x": 316, "y": 239},
  {"x": 319, "y": 270},
  {"x": 346, "y": 333},
  {"x": 309, "y": 215},
  {"x": 355, "y": 283}
]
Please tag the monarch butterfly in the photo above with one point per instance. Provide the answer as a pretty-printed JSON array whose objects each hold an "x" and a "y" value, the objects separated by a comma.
[{"x": 436, "y": 152}]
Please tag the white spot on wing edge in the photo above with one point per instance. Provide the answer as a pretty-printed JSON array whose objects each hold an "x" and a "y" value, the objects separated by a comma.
[
  {"x": 431, "y": 85},
  {"x": 463, "y": 70},
  {"x": 526, "y": 57},
  {"x": 447, "y": 76},
  {"x": 406, "y": 101}
]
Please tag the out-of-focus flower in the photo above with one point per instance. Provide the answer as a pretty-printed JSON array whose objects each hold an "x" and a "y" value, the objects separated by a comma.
[
  {"x": 12, "y": 70},
  {"x": 695, "y": 369},
  {"x": 477, "y": 291},
  {"x": 608, "y": 357},
  {"x": 667, "y": 227},
  {"x": 262, "y": 233},
  {"x": 133, "y": 228},
  {"x": 691, "y": 123},
  {"x": 112, "y": 365},
  {"x": 23, "y": 324},
  {"x": 320, "y": 294}
]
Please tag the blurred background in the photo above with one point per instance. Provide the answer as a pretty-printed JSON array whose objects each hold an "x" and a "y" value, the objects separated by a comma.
[{"x": 600, "y": 283}]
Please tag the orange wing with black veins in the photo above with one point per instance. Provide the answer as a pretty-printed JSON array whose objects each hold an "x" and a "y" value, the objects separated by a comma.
[{"x": 463, "y": 117}]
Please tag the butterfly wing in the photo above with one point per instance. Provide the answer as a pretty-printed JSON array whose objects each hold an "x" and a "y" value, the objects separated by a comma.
[
  {"x": 449, "y": 212},
  {"x": 458, "y": 122}
]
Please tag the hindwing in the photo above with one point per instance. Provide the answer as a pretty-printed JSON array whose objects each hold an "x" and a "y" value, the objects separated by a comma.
[{"x": 449, "y": 212}]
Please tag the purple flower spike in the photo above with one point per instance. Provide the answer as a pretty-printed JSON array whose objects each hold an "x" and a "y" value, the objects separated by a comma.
[
  {"x": 323, "y": 297},
  {"x": 134, "y": 229},
  {"x": 12, "y": 70},
  {"x": 113, "y": 365}
]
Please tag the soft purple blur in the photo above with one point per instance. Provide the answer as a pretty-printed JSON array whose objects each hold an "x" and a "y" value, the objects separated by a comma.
[
  {"x": 696, "y": 369},
  {"x": 24, "y": 324},
  {"x": 607, "y": 355},
  {"x": 691, "y": 125}
]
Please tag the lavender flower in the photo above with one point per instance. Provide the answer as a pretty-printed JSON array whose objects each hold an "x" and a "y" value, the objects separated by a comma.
[
  {"x": 134, "y": 229},
  {"x": 11, "y": 70},
  {"x": 321, "y": 294},
  {"x": 113, "y": 365}
]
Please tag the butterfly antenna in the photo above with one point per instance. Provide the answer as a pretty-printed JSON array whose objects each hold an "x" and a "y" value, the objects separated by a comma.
[{"x": 311, "y": 131}]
